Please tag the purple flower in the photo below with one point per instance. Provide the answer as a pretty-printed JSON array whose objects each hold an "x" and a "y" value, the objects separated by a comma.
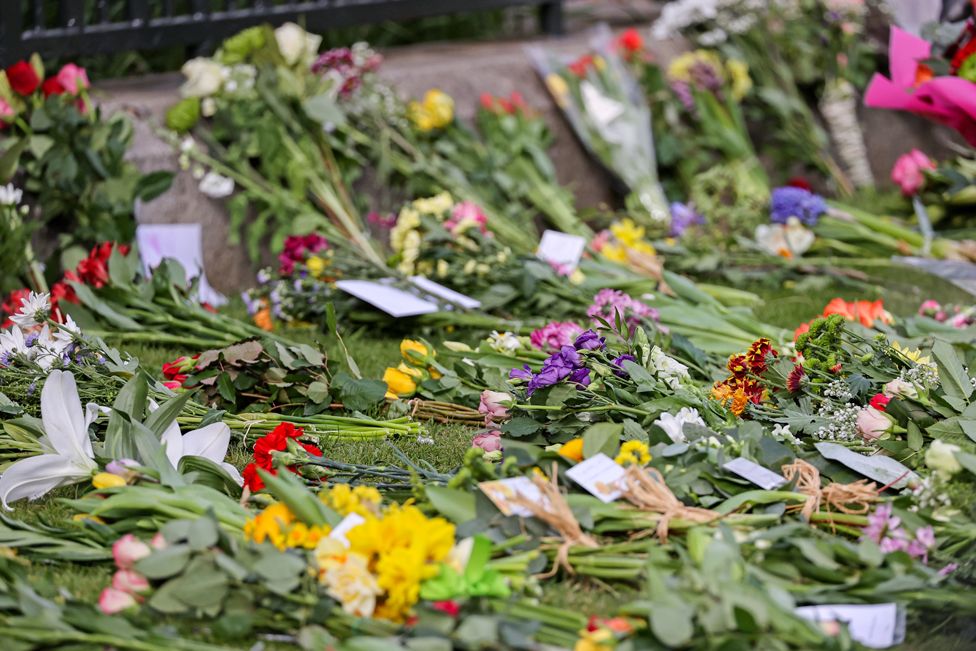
[
  {"x": 619, "y": 362},
  {"x": 580, "y": 376},
  {"x": 524, "y": 373},
  {"x": 683, "y": 217},
  {"x": 789, "y": 201},
  {"x": 548, "y": 376},
  {"x": 589, "y": 340},
  {"x": 948, "y": 569}
]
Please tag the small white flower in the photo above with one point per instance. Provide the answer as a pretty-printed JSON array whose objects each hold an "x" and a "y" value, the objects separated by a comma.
[
  {"x": 503, "y": 342},
  {"x": 216, "y": 186},
  {"x": 187, "y": 144},
  {"x": 295, "y": 44},
  {"x": 673, "y": 424},
  {"x": 10, "y": 195},
  {"x": 209, "y": 105},
  {"x": 34, "y": 310},
  {"x": 67, "y": 332},
  {"x": 204, "y": 77}
]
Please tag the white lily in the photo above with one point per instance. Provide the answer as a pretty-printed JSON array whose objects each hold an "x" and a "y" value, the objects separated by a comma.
[
  {"x": 66, "y": 434},
  {"x": 210, "y": 442}
]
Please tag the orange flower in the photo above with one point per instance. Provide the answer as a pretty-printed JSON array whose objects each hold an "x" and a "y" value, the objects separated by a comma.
[
  {"x": 804, "y": 327},
  {"x": 739, "y": 401},
  {"x": 865, "y": 312},
  {"x": 262, "y": 319}
]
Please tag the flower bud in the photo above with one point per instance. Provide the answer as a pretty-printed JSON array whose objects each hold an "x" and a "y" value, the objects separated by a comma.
[
  {"x": 127, "y": 550},
  {"x": 493, "y": 405},
  {"x": 941, "y": 458},
  {"x": 130, "y": 581},
  {"x": 113, "y": 601},
  {"x": 872, "y": 424}
]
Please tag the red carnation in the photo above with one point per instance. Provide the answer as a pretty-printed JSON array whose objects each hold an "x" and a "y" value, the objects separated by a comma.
[
  {"x": 880, "y": 401},
  {"x": 23, "y": 78},
  {"x": 52, "y": 86},
  {"x": 275, "y": 440}
]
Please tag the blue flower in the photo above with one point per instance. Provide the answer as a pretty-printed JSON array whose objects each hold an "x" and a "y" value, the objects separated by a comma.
[{"x": 789, "y": 202}]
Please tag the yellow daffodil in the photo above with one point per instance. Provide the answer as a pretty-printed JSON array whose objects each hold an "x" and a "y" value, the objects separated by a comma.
[
  {"x": 107, "y": 480},
  {"x": 614, "y": 253}
]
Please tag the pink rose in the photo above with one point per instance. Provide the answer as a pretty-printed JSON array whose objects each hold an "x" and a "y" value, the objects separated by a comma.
[
  {"x": 899, "y": 388},
  {"x": 488, "y": 441},
  {"x": 6, "y": 111},
  {"x": 871, "y": 424},
  {"x": 113, "y": 600},
  {"x": 130, "y": 581},
  {"x": 491, "y": 405},
  {"x": 127, "y": 550},
  {"x": 908, "y": 171},
  {"x": 73, "y": 78}
]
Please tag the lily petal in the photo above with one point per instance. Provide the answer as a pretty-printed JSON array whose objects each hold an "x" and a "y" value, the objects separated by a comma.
[
  {"x": 172, "y": 440},
  {"x": 210, "y": 442},
  {"x": 35, "y": 476},
  {"x": 64, "y": 421},
  {"x": 232, "y": 472}
]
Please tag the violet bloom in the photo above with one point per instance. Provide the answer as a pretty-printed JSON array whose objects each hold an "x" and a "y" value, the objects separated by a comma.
[
  {"x": 589, "y": 340},
  {"x": 580, "y": 376},
  {"x": 683, "y": 217},
  {"x": 789, "y": 201},
  {"x": 556, "y": 368},
  {"x": 619, "y": 362},
  {"x": 524, "y": 373}
]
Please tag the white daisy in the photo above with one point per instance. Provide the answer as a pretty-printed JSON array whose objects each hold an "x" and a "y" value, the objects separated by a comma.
[{"x": 34, "y": 310}]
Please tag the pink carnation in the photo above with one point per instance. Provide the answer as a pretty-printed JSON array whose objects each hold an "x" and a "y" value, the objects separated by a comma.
[
  {"x": 908, "y": 171},
  {"x": 465, "y": 215}
]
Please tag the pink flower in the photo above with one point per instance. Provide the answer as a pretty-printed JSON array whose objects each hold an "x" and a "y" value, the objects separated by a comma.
[
  {"x": 465, "y": 215},
  {"x": 908, "y": 174},
  {"x": 6, "y": 111},
  {"x": 491, "y": 405},
  {"x": 158, "y": 541},
  {"x": 929, "y": 306},
  {"x": 488, "y": 441},
  {"x": 912, "y": 87},
  {"x": 899, "y": 388},
  {"x": 555, "y": 335},
  {"x": 127, "y": 550},
  {"x": 113, "y": 600},
  {"x": 871, "y": 424},
  {"x": 130, "y": 581},
  {"x": 73, "y": 78}
]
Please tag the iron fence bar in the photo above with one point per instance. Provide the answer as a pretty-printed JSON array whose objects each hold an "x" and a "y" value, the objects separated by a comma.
[{"x": 207, "y": 23}]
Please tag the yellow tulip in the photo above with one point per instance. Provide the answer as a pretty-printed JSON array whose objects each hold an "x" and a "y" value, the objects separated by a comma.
[
  {"x": 398, "y": 383},
  {"x": 107, "y": 480},
  {"x": 572, "y": 449}
]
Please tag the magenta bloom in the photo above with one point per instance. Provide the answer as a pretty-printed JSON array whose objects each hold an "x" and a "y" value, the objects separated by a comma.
[
  {"x": 909, "y": 171},
  {"x": 947, "y": 100},
  {"x": 608, "y": 303},
  {"x": 555, "y": 335},
  {"x": 298, "y": 248}
]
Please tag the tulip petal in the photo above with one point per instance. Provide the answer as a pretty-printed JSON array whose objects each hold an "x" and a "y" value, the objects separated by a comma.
[
  {"x": 35, "y": 476},
  {"x": 64, "y": 421}
]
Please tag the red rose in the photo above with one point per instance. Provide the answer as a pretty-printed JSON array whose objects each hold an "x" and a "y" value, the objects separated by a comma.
[
  {"x": 880, "y": 401},
  {"x": 23, "y": 78},
  {"x": 52, "y": 86}
]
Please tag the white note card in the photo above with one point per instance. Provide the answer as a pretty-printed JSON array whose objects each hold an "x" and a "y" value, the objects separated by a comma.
[
  {"x": 348, "y": 523},
  {"x": 502, "y": 491},
  {"x": 561, "y": 249},
  {"x": 762, "y": 477},
  {"x": 392, "y": 300},
  {"x": 600, "y": 475},
  {"x": 446, "y": 293},
  {"x": 877, "y": 626}
]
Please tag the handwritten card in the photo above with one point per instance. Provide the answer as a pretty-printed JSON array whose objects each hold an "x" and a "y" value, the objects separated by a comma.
[
  {"x": 392, "y": 300},
  {"x": 600, "y": 475},
  {"x": 877, "y": 626},
  {"x": 446, "y": 293},
  {"x": 762, "y": 477},
  {"x": 501, "y": 492},
  {"x": 561, "y": 249}
]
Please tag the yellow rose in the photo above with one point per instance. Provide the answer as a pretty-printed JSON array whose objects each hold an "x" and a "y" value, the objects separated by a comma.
[
  {"x": 107, "y": 480},
  {"x": 416, "y": 351},
  {"x": 572, "y": 449},
  {"x": 398, "y": 383}
]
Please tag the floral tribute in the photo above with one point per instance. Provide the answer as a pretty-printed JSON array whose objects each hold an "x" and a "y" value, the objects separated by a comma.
[
  {"x": 744, "y": 385},
  {"x": 283, "y": 438}
]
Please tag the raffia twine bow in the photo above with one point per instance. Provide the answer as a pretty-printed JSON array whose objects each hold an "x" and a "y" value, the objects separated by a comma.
[
  {"x": 645, "y": 489},
  {"x": 553, "y": 509},
  {"x": 854, "y": 498}
]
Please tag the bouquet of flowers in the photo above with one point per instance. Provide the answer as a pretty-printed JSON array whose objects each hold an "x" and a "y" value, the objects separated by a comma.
[{"x": 608, "y": 113}]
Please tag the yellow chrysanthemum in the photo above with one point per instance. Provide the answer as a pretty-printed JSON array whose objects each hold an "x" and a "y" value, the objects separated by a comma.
[
  {"x": 634, "y": 453},
  {"x": 627, "y": 232},
  {"x": 344, "y": 499},
  {"x": 316, "y": 265},
  {"x": 614, "y": 253},
  {"x": 680, "y": 68},
  {"x": 436, "y": 205}
]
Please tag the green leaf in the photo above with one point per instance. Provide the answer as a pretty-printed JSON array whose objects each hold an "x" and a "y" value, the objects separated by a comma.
[
  {"x": 878, "y": 467},
  {"x": 520, "y": 427},
  {"x": 915, "y": 439},
  {"x": 601, "y": 437},
  {"x": 671, "y": 622},
  {"x": 10, "y": 160},
  {"x": 318, "y": 392},
  {"x": 225, "y": 386},
  {"x": 202, "y": 534},
  {"x": 952, "y": 375},
  {"x": 96, "y": 305},
  {"x": 164, "y": 563},
  {"x": 456, "y": 505},
  {"x": 159, "y": 421},
  {"x": 361, "y": 394},
  {"x": 153, "y": 185}
]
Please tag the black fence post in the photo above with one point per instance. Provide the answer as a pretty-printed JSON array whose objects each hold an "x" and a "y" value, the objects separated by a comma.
[
  {"x": 11, "y": 30},
  {"x": 551, "y": 18}
]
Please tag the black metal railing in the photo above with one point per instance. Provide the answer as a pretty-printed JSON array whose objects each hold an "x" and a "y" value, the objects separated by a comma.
[{"x": 79, "y": 27}]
